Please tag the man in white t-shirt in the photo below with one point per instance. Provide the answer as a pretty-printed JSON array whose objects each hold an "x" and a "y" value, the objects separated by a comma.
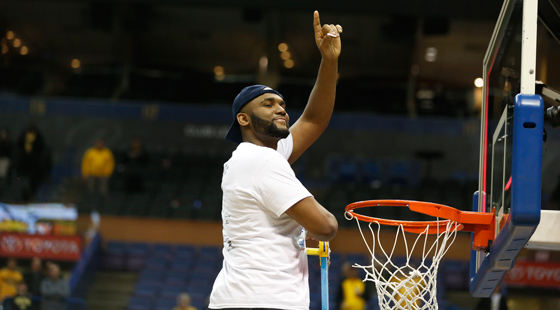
[{"x": 266, "y": 211}]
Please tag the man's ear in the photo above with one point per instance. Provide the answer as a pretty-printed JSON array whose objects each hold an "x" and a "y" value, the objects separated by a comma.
[{"x": 242, "y": 119}]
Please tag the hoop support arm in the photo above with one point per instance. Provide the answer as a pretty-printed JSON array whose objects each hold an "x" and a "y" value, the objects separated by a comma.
[{"x": 480, "y": 223}]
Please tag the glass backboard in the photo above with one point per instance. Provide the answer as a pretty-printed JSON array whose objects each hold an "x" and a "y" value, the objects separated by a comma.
[{"x": 512, "y": 119}]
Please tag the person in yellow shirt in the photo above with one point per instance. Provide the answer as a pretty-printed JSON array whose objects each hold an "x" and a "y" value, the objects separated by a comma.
[
  {"x": 184, "y": 302},
  {"x": 353, "y": 292},
  {"x": 98, "y": 165},
  {"x": 10, "y": 277}
]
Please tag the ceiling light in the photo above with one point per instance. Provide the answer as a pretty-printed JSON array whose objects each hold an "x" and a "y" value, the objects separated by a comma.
[
  {"x": 431, "y": 54},
  {"x": 285, "y": 55},
  {"x": 430, "y": 58},
  {"x": 17, "y": 42},
  {"x": 75, "y": 63},
  {"x": 24, "y": 50},
  {"x": 5, "y": 49},
  {"x": 218, "y": 70},
  {"x": 425, "y": 94},
  {"x": 478, "y": 82},
  {"x": 282, "y": 47},
  {"x": 289, "y": 63},
  {"x": 263, "y": 62},
  {"x": 431, "y": 50},
  {"x": 10, "y": 35}
]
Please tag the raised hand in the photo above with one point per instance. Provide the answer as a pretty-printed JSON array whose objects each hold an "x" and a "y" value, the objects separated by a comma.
[{"x": 327, "y": 38}]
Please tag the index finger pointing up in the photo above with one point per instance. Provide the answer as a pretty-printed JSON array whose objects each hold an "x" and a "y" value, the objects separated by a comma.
[{"x": 317, "y": 25}]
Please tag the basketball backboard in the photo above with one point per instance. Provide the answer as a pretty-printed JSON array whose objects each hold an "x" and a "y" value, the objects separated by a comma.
[{"x": 512, "y": 120}]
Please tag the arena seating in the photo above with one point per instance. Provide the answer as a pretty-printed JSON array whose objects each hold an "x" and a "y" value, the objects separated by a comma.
[{"x": 165, "y": 270}]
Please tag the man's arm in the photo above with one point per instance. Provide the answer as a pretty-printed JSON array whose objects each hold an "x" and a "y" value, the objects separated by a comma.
[
  {"x": 319, "y": 222},
  {"x": 319, "y": 108}
]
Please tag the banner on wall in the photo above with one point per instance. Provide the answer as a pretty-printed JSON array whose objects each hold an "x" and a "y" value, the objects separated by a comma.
[
  {"x": 39, "y": 218},
  {"x": 535, "y": 274},
  {"x": 67, "y": 248}
]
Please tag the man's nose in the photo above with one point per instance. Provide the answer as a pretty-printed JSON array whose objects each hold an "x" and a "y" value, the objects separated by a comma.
[{"x": 280, "y": 110}]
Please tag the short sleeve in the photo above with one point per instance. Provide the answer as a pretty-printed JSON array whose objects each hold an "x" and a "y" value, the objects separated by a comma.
[
  {"x": 277, "y": 185},
  {"x": 286, "y": 146}
]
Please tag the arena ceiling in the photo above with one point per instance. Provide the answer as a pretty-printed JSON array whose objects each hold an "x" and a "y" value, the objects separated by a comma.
[{"x": 381, "y": 39}]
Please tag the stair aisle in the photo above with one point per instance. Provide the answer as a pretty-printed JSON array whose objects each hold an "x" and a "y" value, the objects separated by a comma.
[{"x": 111, "y": 290}]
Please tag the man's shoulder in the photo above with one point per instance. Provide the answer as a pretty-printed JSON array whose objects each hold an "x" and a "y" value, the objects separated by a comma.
[
  {"x": 252, "y": 151},
  {"x": 249, "y": 158}
]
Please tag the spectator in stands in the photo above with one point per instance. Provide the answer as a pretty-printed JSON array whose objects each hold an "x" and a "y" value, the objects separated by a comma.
[
  {"x": 34, "y": 276},
  {"x": 353, "y": 293},
  {"x": 54, "y": 289},
  {"x": 22, "y": 299},
  {"x": 184, "y": 302},
  {"x": 10, "y": 277},
  {"x": 32, "y": 163},
  {"x": 98, "y": 165},
  {"x": 5, "y": 159},
  {"x": 134, "y": 162}
]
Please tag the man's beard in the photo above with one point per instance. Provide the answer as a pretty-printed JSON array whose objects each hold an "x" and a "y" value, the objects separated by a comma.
[{"x": 269, "y": 128}]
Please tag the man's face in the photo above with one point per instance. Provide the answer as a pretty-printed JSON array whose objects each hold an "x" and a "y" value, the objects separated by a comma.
[
  {"x": 36, "y": 264},
  {"x": 12, "y": 264},
  {"x": 54, "y": 272},
  {"x": 269, "y": 128},
  {"x": 99, "y": 144},
  {"x": 268, "y": 116}
]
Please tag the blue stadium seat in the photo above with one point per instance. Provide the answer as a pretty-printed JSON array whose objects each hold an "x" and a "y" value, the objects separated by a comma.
[
  {"x": 201, "y": 288},
  {"x": 175, "y": 279},
  {"x": 161, "y": 247},
  {"x": 454, "y": 274},
  {"x": 314, "y": 285},
  {"x": 181, "y": 265},
  {"x": 138, "y": 248},
  {"x": 156, "y": 264},
  {"x": 150, "y": 275},
  {"x": 370, "y": 171},
  {"x": 146, "y": 289},
  {"x": 116, "y": 247},
  {"x": 373, "y": 303},
  {"x": 210, "y": 251},
  {"x": 140, "y": 302},
  {"x": 171, "y": 291},
  {"x": 199, "y": 303},
  {"x": 166, "y": 303},
  {"x": 114, "y": 262},
  {"x": 145, "y": 293},
  {"x": 135, "y": 263},
  {"x": 184, "y": 250}
]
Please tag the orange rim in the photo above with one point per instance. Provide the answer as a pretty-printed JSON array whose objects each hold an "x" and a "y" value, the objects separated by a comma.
[{"x": 467, "y": 221}]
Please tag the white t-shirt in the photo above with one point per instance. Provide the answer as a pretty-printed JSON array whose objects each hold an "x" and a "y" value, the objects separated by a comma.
[{"x": 265, "y": 263}]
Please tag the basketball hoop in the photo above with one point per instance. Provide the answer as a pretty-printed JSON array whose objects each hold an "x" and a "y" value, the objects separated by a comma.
[{"x": 413, "y": 286}]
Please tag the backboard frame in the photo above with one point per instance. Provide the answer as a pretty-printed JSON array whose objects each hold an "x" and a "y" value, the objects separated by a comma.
[{"x": 489, "y": 267}]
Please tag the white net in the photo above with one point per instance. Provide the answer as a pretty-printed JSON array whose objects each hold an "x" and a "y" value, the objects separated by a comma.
[{"x": 400, "y": 282}]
